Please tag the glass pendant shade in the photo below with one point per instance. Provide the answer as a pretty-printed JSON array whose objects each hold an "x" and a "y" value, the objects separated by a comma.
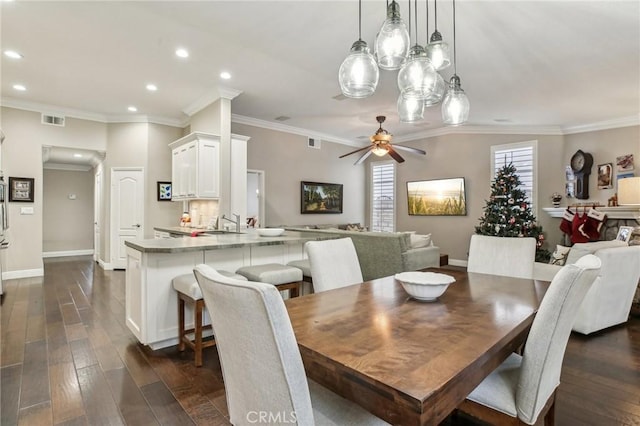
[
  {"x": 410, "y": 110},
  {"x": 455, "y": 106},
  {"x": 438, "y": 52},
  {"x": 437, "y": 94},
  {"x": 358, "y": 75},
  {"x": 417, "y": 77},
  {"x": 392, "y": 42}
]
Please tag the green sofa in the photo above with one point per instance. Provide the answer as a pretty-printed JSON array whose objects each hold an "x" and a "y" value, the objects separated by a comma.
[{"x": 382, "y": 254}]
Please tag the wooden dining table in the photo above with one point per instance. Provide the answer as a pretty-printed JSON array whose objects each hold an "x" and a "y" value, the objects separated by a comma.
[{"x": 406, "y": 361}]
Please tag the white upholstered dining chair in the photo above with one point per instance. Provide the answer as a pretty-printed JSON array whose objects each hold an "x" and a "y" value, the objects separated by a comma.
[
  {"x": 264, "y": 377},
  {"x": 334, "y": 264},
  {"x": 507, "y": 256},
  {"x": 523, "y": 387}
]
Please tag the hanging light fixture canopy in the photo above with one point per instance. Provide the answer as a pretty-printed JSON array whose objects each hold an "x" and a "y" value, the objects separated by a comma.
[
  {"x": 392, "y": 41},
  {"x": 358, "y": 75}
]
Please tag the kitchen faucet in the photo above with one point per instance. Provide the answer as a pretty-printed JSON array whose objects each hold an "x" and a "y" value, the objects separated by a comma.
[{"x": 237, "y": 221}]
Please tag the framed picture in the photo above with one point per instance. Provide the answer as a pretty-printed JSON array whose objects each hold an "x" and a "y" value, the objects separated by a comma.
[
  {"x": 438, "y": 197},
  {"x": 164, "y": 191},
  {"x": 625, "y": 163},
  {"x": 624, "y": 233},
  {"x": 21, "y": 189},
  {"x": 605, "y": 176},
  {"x": 319, "y": 197}
]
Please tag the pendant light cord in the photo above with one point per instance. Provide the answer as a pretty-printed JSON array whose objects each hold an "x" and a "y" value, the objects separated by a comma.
[
  {"x": 359, "y": 19},
  {"x": 426, "y": 6},
  {"x": 455, "y": 71},
  {"x": 415, "y": 4},
  {"x": 410, "y": 22},
  {"x": 435, "y": 14}
]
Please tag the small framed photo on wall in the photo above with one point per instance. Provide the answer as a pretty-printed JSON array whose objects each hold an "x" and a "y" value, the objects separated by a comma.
[
  {"x": 21, "y": 189},
  {"x": 605, "y": 176},
  {"x": 164, "y": 191}
]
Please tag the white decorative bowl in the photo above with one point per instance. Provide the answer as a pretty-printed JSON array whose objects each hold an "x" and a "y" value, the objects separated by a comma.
[
  {"x": 270, "y": 232},
  {"x": 425, "y": 286}
]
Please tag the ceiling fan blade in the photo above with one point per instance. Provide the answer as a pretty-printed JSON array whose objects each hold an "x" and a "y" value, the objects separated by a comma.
[
  {"x": 364, "y": 157},
  {"x": 408, "y": 148},
  {"x": 357, "y": 150},
  {"x": 395, "y": 155}
]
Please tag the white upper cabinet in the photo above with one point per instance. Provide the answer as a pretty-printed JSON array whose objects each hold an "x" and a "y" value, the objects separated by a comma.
[{"x": 195, "y": 167}]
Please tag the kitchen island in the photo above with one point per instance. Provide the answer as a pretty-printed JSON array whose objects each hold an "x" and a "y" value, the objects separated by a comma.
[{"x": 151, "y": 305}]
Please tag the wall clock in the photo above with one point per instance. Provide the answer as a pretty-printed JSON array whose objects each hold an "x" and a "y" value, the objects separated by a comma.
[{"x": 581, "y": 163}]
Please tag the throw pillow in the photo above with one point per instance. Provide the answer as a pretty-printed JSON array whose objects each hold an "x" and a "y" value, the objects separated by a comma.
[
  {"x": 419, "y": 241},
  {"x": 355, "y": 227},
  {"x": 559, "y": 256}
]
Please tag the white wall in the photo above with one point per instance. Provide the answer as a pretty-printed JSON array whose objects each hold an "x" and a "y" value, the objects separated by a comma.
[
  {"x": 67, "y": 211},
  {"x": 286, "y": 161}
]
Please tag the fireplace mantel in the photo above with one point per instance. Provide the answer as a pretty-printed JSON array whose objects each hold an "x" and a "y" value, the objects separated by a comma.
[{"x": 622, "y": 212}]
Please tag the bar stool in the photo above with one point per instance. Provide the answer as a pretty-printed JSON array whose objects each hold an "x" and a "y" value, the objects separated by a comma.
[
  {"x": 189, "y": 292},
  {"x": 283, "y": 277},
  {"x": 304, "y": 266}
]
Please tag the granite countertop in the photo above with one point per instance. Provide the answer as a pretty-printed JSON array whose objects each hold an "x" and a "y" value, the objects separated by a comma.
[
  {"x": 222, "y": 241},
  {"x": 187, "y": 230}
]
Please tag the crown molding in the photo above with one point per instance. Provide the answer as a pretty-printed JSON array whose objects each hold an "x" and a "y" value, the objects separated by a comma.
[
  {"x": 249, "y": 121},
  {"x": 52, "y": 109},
  {"x": 616, "y": 123},
  {"x": 210, "y": 97},
  {"x": 67, "y": 167},
  {"x": 84, "y": 115},
  {"x": 481, "y": 130}
]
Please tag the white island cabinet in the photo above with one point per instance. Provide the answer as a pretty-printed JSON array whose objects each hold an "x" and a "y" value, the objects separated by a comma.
[{"x": 151, "y": 305}]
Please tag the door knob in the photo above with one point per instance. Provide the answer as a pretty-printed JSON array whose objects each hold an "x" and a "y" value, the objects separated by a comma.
[{"x": 137, "y": 225}]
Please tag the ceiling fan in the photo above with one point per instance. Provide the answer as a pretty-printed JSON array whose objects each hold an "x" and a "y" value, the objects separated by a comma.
[{"x": 381, "y": 145}]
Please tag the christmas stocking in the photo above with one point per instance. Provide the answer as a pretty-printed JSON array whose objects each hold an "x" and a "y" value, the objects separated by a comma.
[
  {"x": 567, "y": 220},
  {"x": 578, "y": 233},
  {"x": 593, "y": 224}
]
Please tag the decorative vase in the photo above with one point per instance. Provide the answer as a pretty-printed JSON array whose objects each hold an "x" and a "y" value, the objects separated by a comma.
[{"x": 555, "y": 199}]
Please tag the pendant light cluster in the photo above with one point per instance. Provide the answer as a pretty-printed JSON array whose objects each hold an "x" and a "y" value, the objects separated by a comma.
[{"x": 419, "y": 80}]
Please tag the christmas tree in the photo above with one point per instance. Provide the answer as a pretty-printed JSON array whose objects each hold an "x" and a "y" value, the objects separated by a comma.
[{"x": 508, "y": 213}]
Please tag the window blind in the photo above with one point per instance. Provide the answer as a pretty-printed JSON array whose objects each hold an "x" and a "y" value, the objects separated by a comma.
[
  {"x": 523, "y": 158},
  {"x": 383, "y": 177}
]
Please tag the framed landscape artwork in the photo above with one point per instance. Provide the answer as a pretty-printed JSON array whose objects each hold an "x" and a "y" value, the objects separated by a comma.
[
  {"x": 438, "y": 197},
  {"x": 319, "y": 197}
]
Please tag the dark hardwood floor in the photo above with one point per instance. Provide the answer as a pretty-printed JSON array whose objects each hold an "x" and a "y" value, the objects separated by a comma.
[{"x": 67, "y": 358}]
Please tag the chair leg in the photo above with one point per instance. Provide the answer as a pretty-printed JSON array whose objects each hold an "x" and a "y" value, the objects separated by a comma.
[
  {"x": 181, "y": 332},
  {"x": 198, "y": 332}
]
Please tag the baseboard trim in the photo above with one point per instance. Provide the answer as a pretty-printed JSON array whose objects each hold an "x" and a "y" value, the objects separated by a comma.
[
  {"x": 25, "y": 273},
  {"x": 67, "y": 253},
  {"x": 457, "y": 262},
  {"x": 105, "y": 266}
]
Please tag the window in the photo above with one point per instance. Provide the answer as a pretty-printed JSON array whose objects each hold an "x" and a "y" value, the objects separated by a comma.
[
  {"x": 523, "y": 157},
  {"x": 383, "y": 194}
]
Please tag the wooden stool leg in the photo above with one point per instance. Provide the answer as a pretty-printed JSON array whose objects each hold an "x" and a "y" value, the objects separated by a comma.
[
  {"x": 295, "y": 290},
  {"x": 180, "y": 324},
  {"x": 198, "y": 332}
]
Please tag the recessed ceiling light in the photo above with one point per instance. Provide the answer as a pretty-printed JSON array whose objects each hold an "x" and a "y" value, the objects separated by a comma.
[
  {"x": 225, "y": 75},
  {"x": 13, "y": 54},
  {"x": 152, "y": 87},
  {"x": 19, "y": 87},
  {"x": 77, "y": 155},
  {"x": 182, "y": 53},
  {"x": 132, "y": 109}
]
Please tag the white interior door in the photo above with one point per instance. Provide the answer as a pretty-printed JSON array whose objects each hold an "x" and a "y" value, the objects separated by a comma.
[
  {"x": 255, "y": 196},
  {"x": 97, "y": 214},
  {"x": 127, "y": 211}
]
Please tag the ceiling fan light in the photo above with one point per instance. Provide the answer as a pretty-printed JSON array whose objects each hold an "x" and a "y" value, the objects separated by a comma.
[
  {"x": 358, "y": 75},
  {"x": 417, "y": 77},
  {"x": 438, "y": 52},
  {"x": 455, "y": 106},
  {"x": 392, "y": 41},
  {"x": 410, "y": 110},
  {"x": 380, "y": 151}
]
